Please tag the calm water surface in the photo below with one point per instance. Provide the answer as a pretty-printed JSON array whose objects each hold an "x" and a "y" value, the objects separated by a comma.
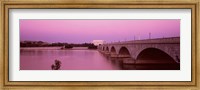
[{"x": 42, "y": 59}]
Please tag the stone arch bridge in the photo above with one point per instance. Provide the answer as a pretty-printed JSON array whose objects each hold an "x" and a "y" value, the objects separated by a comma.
[{"x": 137, "y": 49}]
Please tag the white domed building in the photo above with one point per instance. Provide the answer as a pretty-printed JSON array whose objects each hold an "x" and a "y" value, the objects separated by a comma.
[{"x": 98, "y": 42}]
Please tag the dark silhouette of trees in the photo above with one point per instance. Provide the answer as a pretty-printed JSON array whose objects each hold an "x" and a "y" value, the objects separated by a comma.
[
  {"x": 58, "y": 44},
  {"x": 33, "y": 44},
  {"x": 92, "y": 46},
  {"x": 68, "y": 46}
]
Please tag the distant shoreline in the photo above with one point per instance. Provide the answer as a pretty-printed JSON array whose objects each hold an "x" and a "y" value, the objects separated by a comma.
[{"x": 58, "y": 48}]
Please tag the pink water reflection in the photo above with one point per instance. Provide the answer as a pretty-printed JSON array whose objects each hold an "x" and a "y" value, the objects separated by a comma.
[{"x": 42, "y": 59}]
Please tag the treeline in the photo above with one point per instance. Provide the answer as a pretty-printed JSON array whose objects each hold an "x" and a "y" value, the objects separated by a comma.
[
  {"x": 89, "y": 45},
  {"x": 33, "y": 44},
  {"x": 45, "y": 44}
]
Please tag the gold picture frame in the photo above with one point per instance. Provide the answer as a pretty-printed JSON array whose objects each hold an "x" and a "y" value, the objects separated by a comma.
[{"x": 4, "y": 45}]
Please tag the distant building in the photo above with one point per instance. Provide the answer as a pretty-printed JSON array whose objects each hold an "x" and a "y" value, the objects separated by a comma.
[{"x": 98, "y": 42}]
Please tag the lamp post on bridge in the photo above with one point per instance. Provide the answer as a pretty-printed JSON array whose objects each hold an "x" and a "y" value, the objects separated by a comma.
[{"x": 149, "y": 35}]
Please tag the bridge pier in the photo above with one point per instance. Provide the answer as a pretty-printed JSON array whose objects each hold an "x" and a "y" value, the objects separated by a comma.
[
  {"x": 107, "y": 53},
  {"x": 113, "y": 55},
  {"x": 104, "y": 52},
  {"x": 129, "y": 61}
]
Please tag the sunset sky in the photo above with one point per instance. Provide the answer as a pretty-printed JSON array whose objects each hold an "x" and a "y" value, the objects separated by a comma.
[{"x": 81, "y": 31}]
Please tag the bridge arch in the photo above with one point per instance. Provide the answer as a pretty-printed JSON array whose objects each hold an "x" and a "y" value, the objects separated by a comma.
[
  {"x": 156, "y": 54},
  {"x": 103, "y": 48},
  {"x": 107, "y": 48},
  {"x": 124, "y": 52},
  {"x": 113, "y": 50}
]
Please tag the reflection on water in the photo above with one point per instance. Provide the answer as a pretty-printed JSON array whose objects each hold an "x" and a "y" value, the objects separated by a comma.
[
  {"x": 152, "y": 67},
  {"x": 43, "y": 58}
]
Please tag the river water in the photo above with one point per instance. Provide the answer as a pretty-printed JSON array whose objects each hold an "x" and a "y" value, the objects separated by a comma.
[{"x": 41, "y": 58}]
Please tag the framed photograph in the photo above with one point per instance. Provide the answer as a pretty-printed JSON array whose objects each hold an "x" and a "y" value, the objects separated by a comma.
[{"x": 100, "y": 44}]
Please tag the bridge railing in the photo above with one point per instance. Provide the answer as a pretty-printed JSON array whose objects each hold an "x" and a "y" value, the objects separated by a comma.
[{"x": 172, "y": 40}]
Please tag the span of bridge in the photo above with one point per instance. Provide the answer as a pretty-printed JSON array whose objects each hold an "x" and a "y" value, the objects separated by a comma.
[{"x": 138, "y": 49}]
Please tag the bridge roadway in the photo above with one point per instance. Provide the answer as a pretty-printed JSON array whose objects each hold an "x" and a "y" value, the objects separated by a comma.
[{"x": 136, "y": 50}]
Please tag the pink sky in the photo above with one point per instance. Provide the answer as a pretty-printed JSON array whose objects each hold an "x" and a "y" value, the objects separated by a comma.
[{"x": 80, "y": 31}]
